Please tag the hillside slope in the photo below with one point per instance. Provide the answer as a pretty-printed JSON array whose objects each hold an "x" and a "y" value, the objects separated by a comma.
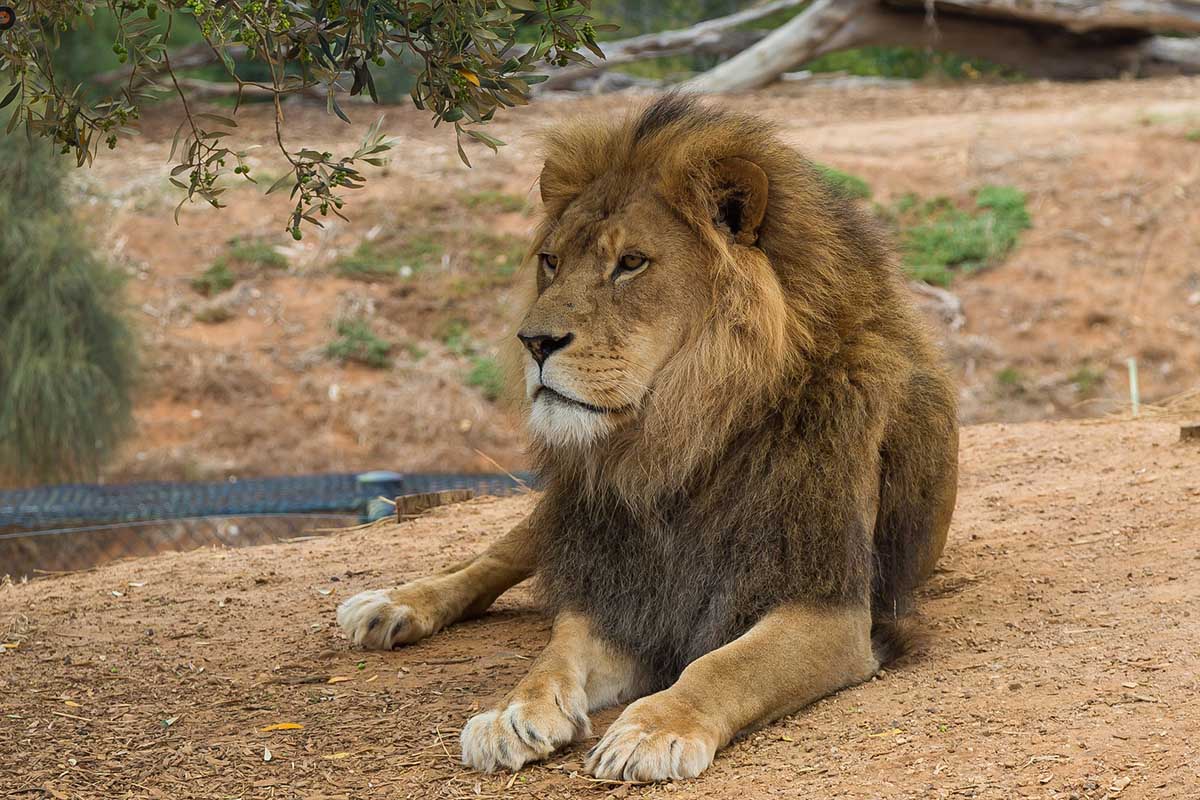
[{"x": 1061, "y": 658}]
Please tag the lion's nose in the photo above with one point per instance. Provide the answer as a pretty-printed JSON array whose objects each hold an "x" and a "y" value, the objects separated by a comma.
[{"x": 541, "y": 346}]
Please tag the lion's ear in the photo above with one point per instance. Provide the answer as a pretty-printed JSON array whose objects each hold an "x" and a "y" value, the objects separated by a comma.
[{"x": 741, "y": 188}]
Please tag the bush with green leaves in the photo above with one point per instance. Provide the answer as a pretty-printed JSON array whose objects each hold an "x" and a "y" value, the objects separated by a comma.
[
  {"x": 486, "y": 376},
  {"x": 849, "y": 185},
  {"x": 358, "y": 343},
  {"x": 66, "y": 351},
  {"x": 214, "y": 280},
  {"x": 939, "y": 239},
  {"x": 468, "y": 58}
]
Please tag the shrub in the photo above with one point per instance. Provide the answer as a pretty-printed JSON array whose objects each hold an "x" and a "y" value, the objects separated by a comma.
[
  {"x": 373, "y": 261},
  {"x": 939, "y": 239},
  {"x": 254, "y": 254},
  {"x": 487, "y": 377},
  {"x": 214, "y": 280},
  {"x": 849, "y": 185},
  {"x": 357, "y": 342},
  {"x": 66, "y": 351},
  {"x": 494, "y": 201}
]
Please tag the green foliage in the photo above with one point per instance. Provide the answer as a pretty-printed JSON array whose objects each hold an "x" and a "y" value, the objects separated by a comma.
[
  {"x": 357, "y": 342},
  {"x": 214, "y": 280},
  {"x": 909, "y": 62},
  {"x": 372, "y": 261},
  {"x": 67, "y": 356},
  {"x": 455, "y": 334},
  {"x": 213, "y": 314},
  {"x": 939, "y": 239},
  {"x": 486, "y": 376},
  {"x": 849, "y": 185},
  {"x": 494, "y": 201},
  {"x": 1010, "y": 381},
  {"x": 1087, "y": 379},
  {"x": 1193, "y": 135},
  {"x": 254, "y": 254},
  {"x": 465, "y": 57}
]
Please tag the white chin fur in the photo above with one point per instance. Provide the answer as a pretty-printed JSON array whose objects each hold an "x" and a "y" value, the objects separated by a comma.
[{"x": 557, "y": 424}]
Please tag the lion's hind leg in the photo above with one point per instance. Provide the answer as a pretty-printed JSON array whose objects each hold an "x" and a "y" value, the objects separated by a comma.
[{"x": 918, "y": 486}]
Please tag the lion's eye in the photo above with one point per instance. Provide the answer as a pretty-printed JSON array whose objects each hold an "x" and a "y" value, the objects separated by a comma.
[
  {"x": 549, "y": 262},
  {"x": 631, "y": 263}
]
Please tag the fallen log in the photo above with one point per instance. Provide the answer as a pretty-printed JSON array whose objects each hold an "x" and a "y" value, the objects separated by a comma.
[{"x": 1059, "y": 39}]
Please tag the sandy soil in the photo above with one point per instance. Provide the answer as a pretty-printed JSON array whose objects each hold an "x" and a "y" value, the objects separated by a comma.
[
  {"x": 1060, "y": 661},
  {"x": 1108, "y": 271}
]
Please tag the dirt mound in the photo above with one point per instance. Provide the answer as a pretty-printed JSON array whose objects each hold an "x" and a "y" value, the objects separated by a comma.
[{"x": 1060, "y": 659}]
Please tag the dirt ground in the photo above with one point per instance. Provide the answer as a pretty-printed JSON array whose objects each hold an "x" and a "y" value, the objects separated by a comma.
[
  {"x": 1108, "y": 271},
  {"x": 1060, "y": 660}
]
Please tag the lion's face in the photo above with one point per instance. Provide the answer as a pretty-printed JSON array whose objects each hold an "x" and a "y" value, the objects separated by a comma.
[{"x": 618, "y": 290}]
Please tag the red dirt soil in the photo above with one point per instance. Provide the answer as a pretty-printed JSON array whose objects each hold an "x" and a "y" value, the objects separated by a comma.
[
  {"x": 1109, "y": 270},
  {"x": 1060, "y": 660}
]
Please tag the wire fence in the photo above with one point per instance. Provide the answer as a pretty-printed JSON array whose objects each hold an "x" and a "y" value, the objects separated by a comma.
[
  {"x": 53, "y": 550},
  {"x": 67, "y": 528}
]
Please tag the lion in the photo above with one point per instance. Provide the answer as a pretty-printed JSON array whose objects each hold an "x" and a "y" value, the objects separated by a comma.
[{"x": 746, "y": 442}]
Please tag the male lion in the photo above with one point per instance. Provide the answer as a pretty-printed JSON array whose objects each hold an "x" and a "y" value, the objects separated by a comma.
[{"x": 746, "y": 444}]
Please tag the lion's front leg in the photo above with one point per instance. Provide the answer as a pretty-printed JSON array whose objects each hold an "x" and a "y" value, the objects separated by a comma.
[
  {"x": 792, "y": 657},
  {"x": 382, "y": 619},
  {"x": 577, "y": 673}
]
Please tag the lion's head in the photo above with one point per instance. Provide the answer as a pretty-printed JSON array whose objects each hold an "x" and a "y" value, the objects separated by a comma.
[{"x": 688, "y": 267}]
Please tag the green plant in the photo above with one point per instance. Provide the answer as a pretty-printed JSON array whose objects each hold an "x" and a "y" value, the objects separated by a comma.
[
  {"x": 214, "y": 280},
  {"x": 381, "y": 260},
  {"x": 1011, "y": 381},
  {"x": 494, "y": 201},
  {"x": 255, "y": 253},
  {"x": 469, "y": 64},
  {"x": 849, "y": 185},
  {"x": 213, "y": 314},
  {"x": 939, "y": 239},
  {"x": 67, "y": 356},
  {"x": 910, "y": 62},
  {"x": 486, "y": 376},
  {"x": 455, "y": 334},
  {"x": 1193, "y": 135},
  {"x": 357, "y": 342},
  {"x": 1086, "y": 379}
]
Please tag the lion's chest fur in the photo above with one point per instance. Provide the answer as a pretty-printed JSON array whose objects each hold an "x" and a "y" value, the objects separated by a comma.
[{"x": 676, "y": 584}]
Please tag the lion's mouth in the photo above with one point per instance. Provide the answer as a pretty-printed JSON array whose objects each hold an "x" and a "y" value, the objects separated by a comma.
[{"x": 554, "y": 396}]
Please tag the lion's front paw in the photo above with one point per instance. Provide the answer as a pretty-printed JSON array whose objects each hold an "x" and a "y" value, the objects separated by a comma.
[
  {"x": 653, "y": 741},
  {"x": 524, "y": 731},
  {"x": 375, "y": 621}
]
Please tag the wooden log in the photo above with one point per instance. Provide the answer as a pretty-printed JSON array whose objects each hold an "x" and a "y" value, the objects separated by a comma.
[{"x": 1041, "y": 48}]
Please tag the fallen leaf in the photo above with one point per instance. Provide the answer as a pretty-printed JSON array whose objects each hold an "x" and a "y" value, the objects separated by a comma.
[
  {"x": 470, "y": 76},
  {"x": 335, "y": 756},
  {"x": 786, "y": 739},
  {"x": 338, "y": 679},
  {"x": 137, "y": 584},
  {"x": 373, "y": 677},
  {"x": 892, "y": 732},
  {"x": 325, "y": 592},
  {"x": 267, "y": 754},
  {"x": 169, "y": 721},
  {"x": 283, "y": 726},
  {"x": 10, "y": 645},
  {"x": 72, "y": 704},
  {"x": 115, "y": 593},
  {"x": 1129, "y": 684}
]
